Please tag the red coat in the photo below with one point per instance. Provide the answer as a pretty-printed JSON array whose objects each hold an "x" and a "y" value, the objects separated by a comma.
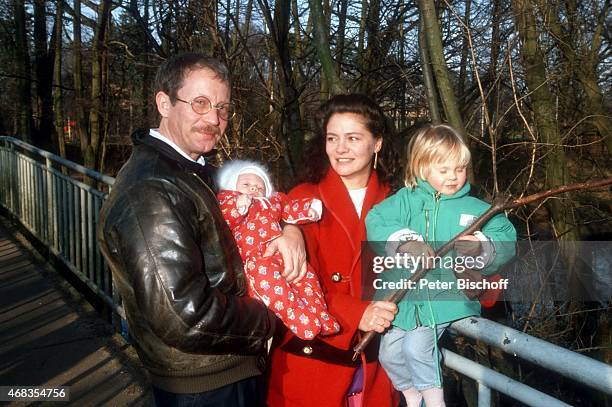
[{"x": 334, "y": 246}]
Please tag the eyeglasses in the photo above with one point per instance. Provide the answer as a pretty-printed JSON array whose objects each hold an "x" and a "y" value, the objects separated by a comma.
[{"x": 202, "y": 105}]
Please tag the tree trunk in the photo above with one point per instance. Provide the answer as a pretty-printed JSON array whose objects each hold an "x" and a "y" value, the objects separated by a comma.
[
  {"x": 340, "y": 37},
  {"x": 24, "y": 105},
  {"x": 44, "y": 77},
  {"x": 372, "y": 54},
  {"x": 147, "y": 75},
  {"x": 291, "y": 125},
  {"x": 597, "y": 105},
  {"x": 430, "y": 86},
  {"x": 465, "y": 47},
  {"x": 361, "y": 37},
  {"x": 209, "y": 15},
  {"x": 81, "y": 129},
  {"x": 495, "y": 49},
  {"x": 57, "y": 79},
  {"x": 583, "y": 59},
  {"x": 96, "y": 113},
  {"x": 321, "y": 30},
  {"x": 436, "y": 54},
  {"x": 543, "y": 103},
  {"x": 247, "y": 18}
]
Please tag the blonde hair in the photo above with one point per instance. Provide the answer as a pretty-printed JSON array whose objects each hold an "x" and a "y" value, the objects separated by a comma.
[{"x": 433, "y": 144}]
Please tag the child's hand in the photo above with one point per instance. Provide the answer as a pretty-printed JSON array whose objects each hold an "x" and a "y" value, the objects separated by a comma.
[
  {"x": 468, "y": 245},
  {"x": 243, "y": 202},
  {"x": 417, "y": 249}
]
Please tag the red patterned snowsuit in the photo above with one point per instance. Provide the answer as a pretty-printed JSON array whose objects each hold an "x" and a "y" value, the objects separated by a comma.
[{"x": 301, "y": 306}]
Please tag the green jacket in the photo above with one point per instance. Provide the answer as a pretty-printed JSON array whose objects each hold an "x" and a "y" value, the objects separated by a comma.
[{"x": 423, "y": 213}]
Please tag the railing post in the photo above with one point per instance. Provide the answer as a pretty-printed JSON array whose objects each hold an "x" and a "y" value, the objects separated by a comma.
[
  {"x": 50, "y": 203},
  {"x": 484, "y": 395}
]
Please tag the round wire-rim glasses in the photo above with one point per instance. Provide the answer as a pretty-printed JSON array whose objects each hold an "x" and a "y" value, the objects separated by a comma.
[{"x": 203, "y": 105}]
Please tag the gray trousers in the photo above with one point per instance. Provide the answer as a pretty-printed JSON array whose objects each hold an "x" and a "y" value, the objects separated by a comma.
[{"x": 411, "y": 358}]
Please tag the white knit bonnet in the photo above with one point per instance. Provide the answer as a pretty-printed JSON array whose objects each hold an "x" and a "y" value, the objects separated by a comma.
[{"x": 227, "y": 178}]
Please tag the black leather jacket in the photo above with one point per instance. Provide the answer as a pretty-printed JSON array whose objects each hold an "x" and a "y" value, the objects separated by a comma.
[{"x": 181, "y": 279}]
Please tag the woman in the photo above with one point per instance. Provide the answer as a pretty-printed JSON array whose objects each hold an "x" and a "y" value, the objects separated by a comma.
[{"x": 321, "y": 372}]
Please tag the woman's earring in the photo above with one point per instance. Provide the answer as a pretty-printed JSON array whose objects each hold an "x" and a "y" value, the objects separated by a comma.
[{"x": 375, "y": 159}]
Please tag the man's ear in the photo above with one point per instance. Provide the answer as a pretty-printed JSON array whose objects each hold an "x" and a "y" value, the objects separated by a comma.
[{"x": 162, "y": 100}]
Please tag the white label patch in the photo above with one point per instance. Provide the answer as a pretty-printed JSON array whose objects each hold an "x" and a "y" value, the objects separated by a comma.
[{"x": 466, "y": 220}]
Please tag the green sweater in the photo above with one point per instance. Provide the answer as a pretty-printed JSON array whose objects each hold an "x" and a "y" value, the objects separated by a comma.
[{"x": 424, "y": 214}]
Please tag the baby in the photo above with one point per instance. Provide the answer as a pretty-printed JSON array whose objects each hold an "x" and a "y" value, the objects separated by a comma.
[{"x": 253, "y": 211}]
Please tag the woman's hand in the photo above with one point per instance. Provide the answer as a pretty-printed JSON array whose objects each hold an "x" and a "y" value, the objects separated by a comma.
[
  {"x": 292, "y": 248},
  {"x": 378, "y": 316}
]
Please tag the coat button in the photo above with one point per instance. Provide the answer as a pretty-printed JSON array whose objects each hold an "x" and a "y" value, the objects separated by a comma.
[
  {"x": 336, "y": 277},
  {"x": 307, "y": 350}
]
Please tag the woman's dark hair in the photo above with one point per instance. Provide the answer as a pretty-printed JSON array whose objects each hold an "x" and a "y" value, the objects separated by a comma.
[{"x": 373, "y": 119}]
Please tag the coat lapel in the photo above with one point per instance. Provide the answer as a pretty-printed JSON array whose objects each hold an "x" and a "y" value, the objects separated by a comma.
[{"x": 338, "y": 203}]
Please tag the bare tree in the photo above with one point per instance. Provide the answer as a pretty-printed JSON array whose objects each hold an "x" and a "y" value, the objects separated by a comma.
[
  {"x": 96, "y": 114},
  {"x": 24, "y": 122},
  {"x": 436, "y": 55},
  {"x": 321, "y": 30},
  {"x": 57, "y": 81},
  {"x": 44, "y": 75},
  {"x": 291, "y": 123},
  {"x": 81, "y": 128},
  {"x": 581, "y": 55},
  {"x": 543, "y": 104}
]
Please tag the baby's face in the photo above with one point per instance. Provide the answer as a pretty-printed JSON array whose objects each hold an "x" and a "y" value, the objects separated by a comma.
[{"x": 251, "y": 184}]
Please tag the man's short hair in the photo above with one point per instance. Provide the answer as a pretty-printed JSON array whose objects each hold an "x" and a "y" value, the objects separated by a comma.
[{"x": 171, "y": 73}]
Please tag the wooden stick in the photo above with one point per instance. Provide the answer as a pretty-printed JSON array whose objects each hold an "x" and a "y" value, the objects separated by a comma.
[{"x": 499, "y": 205}]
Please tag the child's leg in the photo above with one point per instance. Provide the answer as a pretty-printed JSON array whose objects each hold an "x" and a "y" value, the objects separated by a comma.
[
  {"x": 434, "y": 397},
  {"x": 267, "y": 283},
  {"x": 393, "y": 360},
  {"x": 309, "y": 290},
  {"x": 413, "y": 397},
  {"x": 423, "y": 362}
]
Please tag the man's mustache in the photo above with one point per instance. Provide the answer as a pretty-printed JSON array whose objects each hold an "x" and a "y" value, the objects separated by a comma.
[{"x": 210, "y": 129}]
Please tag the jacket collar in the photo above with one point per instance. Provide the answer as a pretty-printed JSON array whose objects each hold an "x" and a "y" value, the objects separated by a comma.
[
  {"x": 425, "y": 188},
  {"x": 142, "y": 137}
]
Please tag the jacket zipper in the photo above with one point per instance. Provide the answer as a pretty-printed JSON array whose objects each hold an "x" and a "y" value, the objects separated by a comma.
[{"x": 435, "y": 215}]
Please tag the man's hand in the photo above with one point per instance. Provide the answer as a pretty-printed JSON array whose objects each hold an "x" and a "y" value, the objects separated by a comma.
[
  {"x": 417, "y": 249},
  {"x": 378, "y": 316},
  {"x": 293, "y": 251},
  {"x": 468, "y": 245}
]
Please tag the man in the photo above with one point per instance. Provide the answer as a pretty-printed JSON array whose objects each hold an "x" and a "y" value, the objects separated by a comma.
[{"x": 173, "y": 259}]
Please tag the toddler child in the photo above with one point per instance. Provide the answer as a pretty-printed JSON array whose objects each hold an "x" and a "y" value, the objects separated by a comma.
[
  {"x": 253, "y": 210},
  {"x": 432, "y": 209}
]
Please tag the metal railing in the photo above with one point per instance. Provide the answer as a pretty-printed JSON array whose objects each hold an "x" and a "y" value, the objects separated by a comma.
[
  {"x": 51, "y": 198},
  {"x": 570, "y": 364},
  {"x": 62, "y": 212}
]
